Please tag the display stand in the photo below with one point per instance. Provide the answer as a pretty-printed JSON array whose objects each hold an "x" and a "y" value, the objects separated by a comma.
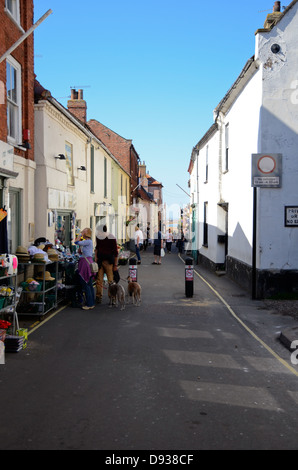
[
  {"x": 43, "y": 300},
  {"x": 10, "y": 309}
]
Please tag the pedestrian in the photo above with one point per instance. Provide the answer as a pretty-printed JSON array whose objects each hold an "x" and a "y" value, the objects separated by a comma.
[
  {"x": 138, "y": 242},
  {"x": 106, "y": 256},
  {"x": 180, "y": 243},
  {"x": 169, "y": 241},
  {"x": 146, "y": 238},
  {"x": 157, "y": 247},
  {"x": 85, "y": 276}
]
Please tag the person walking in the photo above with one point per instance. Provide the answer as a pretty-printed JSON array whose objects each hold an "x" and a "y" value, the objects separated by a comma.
[
  {"x": 169, "y": 241},
  {"x": 157, "y": 247},
  {"x": 85, "y": 276},
  {"x": 138, "y": 242},
  {"x": 106, "y": 255}
]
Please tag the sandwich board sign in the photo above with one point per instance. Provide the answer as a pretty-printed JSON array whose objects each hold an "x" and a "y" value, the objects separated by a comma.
[{"x": 266, "y": 170}]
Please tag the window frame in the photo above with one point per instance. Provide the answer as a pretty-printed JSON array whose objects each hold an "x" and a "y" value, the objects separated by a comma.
[
  {"x": 14, "y": 10},
  {"x": 11, "y": 104},
  {"x": 69, "y": 163}
]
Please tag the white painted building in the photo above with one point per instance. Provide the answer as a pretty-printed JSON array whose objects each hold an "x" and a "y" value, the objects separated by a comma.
[
  {"x": 78, "y": 182},
  {"x": 248, "y": 230}
]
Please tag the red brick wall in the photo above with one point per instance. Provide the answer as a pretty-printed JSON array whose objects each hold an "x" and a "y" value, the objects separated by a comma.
[
  {"x": 24, "y": 54},
  {"x": 121, "y": 148}
]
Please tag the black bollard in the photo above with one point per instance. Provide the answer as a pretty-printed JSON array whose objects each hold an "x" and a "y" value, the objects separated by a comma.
[
  {"x": 189, "y": 277},
  {"x": 133, "y": 269}
]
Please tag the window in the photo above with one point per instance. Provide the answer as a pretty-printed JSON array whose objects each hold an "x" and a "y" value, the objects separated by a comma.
[
  {"x": 13, "y": 6},
  {"x": 13, "y": 219},
  {"x": 205, "y": 226},
  {"x": 105, "y": 178},
  {"x": 206, "y": 166},
  {"x": 92, "y": 170},
  {"x": 227, "y": 147},
  {"x": 69, "y": 163},
  {"x": 13, "y": 90}
]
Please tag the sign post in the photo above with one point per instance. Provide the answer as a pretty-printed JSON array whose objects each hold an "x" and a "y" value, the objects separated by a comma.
[{"x": 266, "y": 171}]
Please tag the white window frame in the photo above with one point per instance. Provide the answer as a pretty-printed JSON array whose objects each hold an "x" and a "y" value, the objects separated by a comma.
[
  {"x": 69, "y": 163},
  {"x": 15, "y": 105},
  {"x": 13, "y": 8}
]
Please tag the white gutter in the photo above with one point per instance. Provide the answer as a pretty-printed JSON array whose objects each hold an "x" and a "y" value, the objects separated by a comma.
[{"x": 24, "y": 36}]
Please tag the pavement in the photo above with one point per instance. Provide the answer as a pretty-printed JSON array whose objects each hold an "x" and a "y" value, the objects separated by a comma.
[{"x": 273, "y": 322}]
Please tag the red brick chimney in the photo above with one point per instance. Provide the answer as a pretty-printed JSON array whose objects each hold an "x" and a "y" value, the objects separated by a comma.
[{"x": 77, "y": 105}]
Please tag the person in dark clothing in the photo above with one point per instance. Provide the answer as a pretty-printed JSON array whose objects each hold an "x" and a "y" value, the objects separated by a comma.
[
  {"x": 106, "y": 256},
  {"x": 157, "y": 247}
]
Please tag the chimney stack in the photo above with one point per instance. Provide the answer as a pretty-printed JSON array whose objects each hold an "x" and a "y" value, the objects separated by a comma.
[
  {"x": 276, "y": 7},
  {"x": 77, "y": 105}
]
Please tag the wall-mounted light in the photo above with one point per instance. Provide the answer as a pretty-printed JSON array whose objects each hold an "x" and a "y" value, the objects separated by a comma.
[
  {"x": 83, "y": 168},
  {"x": 26, "y": 145},
  {"x": 61, "y": 157}
]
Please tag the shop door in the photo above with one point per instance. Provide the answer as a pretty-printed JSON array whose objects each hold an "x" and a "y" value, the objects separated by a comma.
[
  {"x": 63, "y": 228},
  {"x": 13, "y": 220}
]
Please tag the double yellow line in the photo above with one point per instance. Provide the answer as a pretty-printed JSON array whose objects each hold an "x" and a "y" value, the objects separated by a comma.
[{"x": 270, "y": 350}]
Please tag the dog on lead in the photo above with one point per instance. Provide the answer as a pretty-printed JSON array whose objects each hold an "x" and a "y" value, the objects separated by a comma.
[
  {"x": 116, "y": 293},
  {"x": 134, "y": 290}
]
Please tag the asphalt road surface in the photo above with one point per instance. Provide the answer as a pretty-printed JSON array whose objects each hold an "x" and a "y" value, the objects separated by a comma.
[{"x": 176, "y": 373}]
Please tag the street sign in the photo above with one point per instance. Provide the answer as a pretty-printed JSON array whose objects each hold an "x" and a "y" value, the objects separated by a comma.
[
  {"x": 266, "y": 170},
  {"x": 291, "y": 216}
]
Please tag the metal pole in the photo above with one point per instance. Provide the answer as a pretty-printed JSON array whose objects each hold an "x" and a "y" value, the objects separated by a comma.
[
  {"x": 254, "y": 246},
  {"x": 25, "y": 35}
]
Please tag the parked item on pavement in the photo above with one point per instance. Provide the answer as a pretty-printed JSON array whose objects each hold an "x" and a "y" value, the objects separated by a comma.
[{"x": 134, "y": 290}]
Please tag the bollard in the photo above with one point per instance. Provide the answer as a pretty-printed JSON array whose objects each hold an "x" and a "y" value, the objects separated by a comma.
[
  {"x": 189, "y": 277},
  {"x": 133, "y": 269}
]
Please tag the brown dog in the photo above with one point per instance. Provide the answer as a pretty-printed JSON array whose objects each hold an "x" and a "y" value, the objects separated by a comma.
[
  {"x": 116, "y": 293},
  {"x": 134, "y": 290}
]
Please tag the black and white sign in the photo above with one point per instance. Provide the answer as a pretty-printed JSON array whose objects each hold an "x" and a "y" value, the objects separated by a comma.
[
  {"x": 266, "y": 170},
  {"x": 291, "y": 216}
]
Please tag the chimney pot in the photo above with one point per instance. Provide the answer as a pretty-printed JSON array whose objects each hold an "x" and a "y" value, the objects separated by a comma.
[
  {"x": 276, "y": 7},
  {"x": 80, "y": 94}
]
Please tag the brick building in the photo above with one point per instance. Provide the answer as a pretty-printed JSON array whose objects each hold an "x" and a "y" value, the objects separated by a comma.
[
  {"x": 123, "y": 150},
  {"x": 17, "y": 121}
]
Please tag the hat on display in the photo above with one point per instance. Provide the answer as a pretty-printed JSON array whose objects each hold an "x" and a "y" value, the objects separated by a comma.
[
  {"x": 22, "y": 254},
  {"x": 47, "y": 276},
  {"x": 39, "y": 258},
  {"x": 53, "y": 255}
]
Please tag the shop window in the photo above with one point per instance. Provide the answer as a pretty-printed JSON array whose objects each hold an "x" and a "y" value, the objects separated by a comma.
[
  {"x": 13, "y": 90},
  {"x": 13, "y": 7},
  {"x": 63, "y": 229},
  {"x": 69, "y": 163}
]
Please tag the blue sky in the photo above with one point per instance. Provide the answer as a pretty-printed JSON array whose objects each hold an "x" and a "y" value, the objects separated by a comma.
[{"x": 152, "y": 71}]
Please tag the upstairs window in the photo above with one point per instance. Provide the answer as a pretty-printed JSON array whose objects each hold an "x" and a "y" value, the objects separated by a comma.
[
  {"x": 13, "y": 6},
  {"x": 207, "y": 164},
  {"x": 226, "y": 167},
  {"x": 69, "y": 163},
  {"x": 13, "y": 90}
]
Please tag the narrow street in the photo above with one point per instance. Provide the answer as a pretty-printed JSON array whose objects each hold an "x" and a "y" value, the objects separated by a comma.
[{"x": 175, "y": 373}]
